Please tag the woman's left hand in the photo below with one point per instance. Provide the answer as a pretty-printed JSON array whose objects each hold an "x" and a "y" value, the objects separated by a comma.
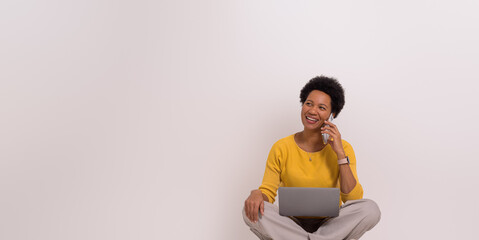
[{"x": 334, "y": 138}]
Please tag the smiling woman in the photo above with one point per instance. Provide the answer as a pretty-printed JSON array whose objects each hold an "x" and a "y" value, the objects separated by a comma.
[{"x": 303, "y": 159}]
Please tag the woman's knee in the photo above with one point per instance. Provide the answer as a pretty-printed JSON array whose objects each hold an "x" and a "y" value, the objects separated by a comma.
[
  {"x": 246, "y": 219},
  {"x": 371, "y": 211}
]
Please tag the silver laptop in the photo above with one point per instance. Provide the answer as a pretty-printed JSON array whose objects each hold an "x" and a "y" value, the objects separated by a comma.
[{"x": 308, "y": 202}]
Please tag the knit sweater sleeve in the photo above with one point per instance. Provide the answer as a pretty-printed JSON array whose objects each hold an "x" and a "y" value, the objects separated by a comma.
[
  {"x": 357, "y": 192},
  {"x": 272, "y": 173}
]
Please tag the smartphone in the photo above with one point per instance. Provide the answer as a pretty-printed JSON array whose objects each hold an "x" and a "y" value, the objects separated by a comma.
[{"x": 325, "y": 135}]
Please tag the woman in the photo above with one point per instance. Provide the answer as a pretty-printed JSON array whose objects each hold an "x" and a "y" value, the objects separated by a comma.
[{"x": 303, "y": 160}]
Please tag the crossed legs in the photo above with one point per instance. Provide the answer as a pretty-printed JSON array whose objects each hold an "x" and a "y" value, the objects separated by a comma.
[{"x": 355, "y": 218}]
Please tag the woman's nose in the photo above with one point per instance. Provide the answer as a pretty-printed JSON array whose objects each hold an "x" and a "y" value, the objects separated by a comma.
[{"x": 314, "y": 110}]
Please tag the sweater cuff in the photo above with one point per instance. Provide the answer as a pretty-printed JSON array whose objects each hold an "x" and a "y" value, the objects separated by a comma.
[
  {"x": 271, "y": 197},
  {"x": 356, "y": 193}
]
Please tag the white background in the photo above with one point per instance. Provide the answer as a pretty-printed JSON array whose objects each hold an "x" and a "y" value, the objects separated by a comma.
[{"x": 153, "y": 119}]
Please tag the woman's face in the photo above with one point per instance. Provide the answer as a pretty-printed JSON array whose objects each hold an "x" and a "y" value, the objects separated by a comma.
[{"x": 315, "y": 110}]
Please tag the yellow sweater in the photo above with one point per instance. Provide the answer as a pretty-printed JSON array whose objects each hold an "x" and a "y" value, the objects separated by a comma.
[{"x": 289, "y": 166}]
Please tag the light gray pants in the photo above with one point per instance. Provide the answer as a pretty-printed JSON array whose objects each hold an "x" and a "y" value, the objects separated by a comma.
[{"x": 355, "y": 218}]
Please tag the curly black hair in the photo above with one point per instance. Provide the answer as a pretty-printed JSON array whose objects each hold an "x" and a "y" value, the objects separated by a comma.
[{"x": 328, "y": 85}]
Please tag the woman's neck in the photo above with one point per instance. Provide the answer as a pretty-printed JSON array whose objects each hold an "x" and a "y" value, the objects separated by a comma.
[{"x": 312, "y": 141}]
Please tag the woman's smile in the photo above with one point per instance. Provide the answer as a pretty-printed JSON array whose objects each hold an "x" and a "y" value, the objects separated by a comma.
[{"x": 311, "y": 120}]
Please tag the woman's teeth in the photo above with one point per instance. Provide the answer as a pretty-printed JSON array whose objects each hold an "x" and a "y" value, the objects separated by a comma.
[{"x": 311, "y": 119}]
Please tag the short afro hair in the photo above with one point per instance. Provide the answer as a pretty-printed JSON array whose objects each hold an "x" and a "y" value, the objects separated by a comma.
[{"x": 328, "y": 85}]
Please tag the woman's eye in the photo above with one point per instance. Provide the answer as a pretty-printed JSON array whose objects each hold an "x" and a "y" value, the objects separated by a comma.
[{"x": 322, "y": 108}]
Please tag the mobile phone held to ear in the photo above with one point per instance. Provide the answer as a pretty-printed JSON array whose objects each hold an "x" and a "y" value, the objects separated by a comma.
[{"x": 325, "y": 135}]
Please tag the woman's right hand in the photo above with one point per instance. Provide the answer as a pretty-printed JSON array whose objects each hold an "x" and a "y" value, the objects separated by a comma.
[{"x": 254, "y": 203}]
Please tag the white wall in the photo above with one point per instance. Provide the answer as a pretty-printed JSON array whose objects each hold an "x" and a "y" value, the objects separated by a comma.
[{"x": 153, "y": 119}]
